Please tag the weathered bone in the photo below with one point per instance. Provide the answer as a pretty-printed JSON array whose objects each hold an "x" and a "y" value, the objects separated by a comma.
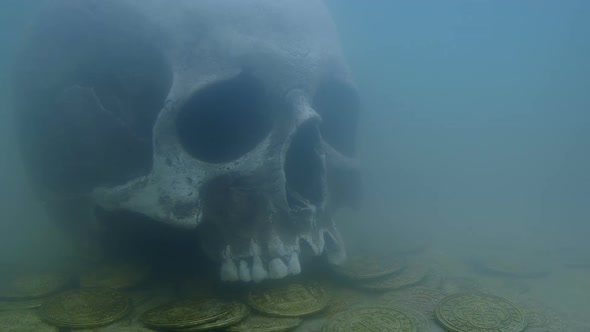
[{"x": 259, "y": 203}]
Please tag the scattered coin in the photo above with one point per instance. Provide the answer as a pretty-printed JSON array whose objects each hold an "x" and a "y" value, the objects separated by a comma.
[
  {"x": 408, "y": 277},
  {"x": 84, "y": 308},
  {"x": 236, "y": 313},
  {"x": 24, "y": 321},
  {"x": 21, "y": 304},
  {"x": 371, "y": 319},
  {"x": 510, "y": 265},
  {"x": 420, "y": 320},
  {"x": 470, "y": 312},
  {"x": 344, "y": 299},
  {"x": 185, "y": 314},
  {"x": 256, "y": 323},
  {"x": 362, "y": 267},
  {"x": 291, "y": 300}
]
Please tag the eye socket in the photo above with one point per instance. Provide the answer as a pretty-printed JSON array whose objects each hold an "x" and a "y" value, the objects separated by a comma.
[
  {"x": 338, "y": 105},
  {"x": 224, "y": 121}
]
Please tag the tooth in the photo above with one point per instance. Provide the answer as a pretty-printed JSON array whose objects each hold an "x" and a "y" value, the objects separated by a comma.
[
  {"x": 276, "y": 248},
  {"x": 258, "y": 271},
  {"x": 335, "y": 251},
  {"x": 244, "y": 271},
  {"x": 321, "y": 243},
  {"x": 254, "y": 248},
  {"x": 277, "y": 269},
  {"x": 294, "y": 267},
  {"x": 229, "y": 271}
]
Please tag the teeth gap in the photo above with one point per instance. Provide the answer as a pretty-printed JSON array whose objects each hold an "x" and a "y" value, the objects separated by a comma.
[{"x": 306, "y": 248}]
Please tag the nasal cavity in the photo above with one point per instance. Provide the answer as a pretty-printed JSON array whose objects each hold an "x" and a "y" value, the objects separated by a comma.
[
  {"x": 304, "y": 168},
  {"x": 224, "y": 121}
]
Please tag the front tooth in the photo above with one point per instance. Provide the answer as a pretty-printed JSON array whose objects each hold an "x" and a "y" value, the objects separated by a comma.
[
  {"x": 258, "y": 271},
  {"x": 244, "y": 271},
  {"x": 294, "y": 266},
  {"x": 254, "y": 248},
  {"x": 276, "y": 247},
  {"x": 277, "y": 269},
  {"x": 229, "y": 271},
  {"x": 321, "y": 243}
]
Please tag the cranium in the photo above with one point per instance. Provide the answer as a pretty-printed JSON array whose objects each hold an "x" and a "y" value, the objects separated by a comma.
[{"x": 237, "y": 117}]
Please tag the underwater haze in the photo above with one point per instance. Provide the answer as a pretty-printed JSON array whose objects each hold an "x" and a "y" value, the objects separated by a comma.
[{"x": 473, "y": 140}]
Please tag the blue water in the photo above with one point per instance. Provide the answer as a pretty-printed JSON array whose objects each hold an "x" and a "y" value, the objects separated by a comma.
[{"x": 475, "y": 127}]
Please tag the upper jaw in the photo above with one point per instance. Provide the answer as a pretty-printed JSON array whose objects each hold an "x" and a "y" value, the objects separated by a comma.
[{"x": 276, "y": 257}]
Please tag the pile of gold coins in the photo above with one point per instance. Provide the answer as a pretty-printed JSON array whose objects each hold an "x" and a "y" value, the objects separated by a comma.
[{"x": 367, "y": 293}]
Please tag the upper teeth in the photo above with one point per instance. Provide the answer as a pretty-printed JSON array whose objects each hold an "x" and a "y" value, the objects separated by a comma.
[{"x": 257, "y": 271}]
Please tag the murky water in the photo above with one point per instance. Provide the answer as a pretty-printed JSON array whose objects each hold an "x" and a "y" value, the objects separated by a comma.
[{"x": 472, "y": 142}]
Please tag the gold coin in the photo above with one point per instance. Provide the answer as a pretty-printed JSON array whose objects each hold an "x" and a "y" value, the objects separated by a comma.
[
  {"x": 420, "y": 320},
  {"x": 32, "y": 284},
  {"x": 236, "y": 313},
  {"x": 371, "y": 319},
  {"x": 345, "y": 299},
  {"x": 511, "y": 265},
  {"x": 422, "y": 299},
  {"x": 21, "y": 304},
  {"x": 87, "y": 307},
  {"x": 117, "y": 328},
  {"x": 362, "y": 267},
  {"x": 24, "y": 321},
  {"x": 185, "y": 314},
  {"x": 408, "y": 277},
  {"x": 116, "y": 275},
  {"x": 470, "y": 312},
  {"x": 291, "y": 300},
  {"x": 266, "y": 324}
]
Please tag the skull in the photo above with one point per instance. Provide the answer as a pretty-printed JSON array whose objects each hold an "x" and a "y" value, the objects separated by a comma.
[{"x": 236, "y": 117}]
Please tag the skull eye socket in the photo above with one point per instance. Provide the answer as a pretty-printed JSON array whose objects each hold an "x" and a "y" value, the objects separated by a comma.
[
  {"x": 224, "y": 121},
  {"x": 338, "y": 105}
]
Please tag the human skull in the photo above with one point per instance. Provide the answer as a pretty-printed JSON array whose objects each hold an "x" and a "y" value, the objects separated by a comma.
[{"x": 235, "y": 116}]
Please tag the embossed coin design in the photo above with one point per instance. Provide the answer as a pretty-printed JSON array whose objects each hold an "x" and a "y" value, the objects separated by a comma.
[
  {"x": 362, "y": 267},
  {"x": 236, "y": 313},
  {"x": 258, "y": 323},
  {"x": 420, "y": 320},
  {"x": 87, "y": 307},
  {"x": 291, "y": 300},
  {"x": 185, "y": 314},
  {"x": 474, "y": 312},
  {"x": 371, "y": 319}
]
